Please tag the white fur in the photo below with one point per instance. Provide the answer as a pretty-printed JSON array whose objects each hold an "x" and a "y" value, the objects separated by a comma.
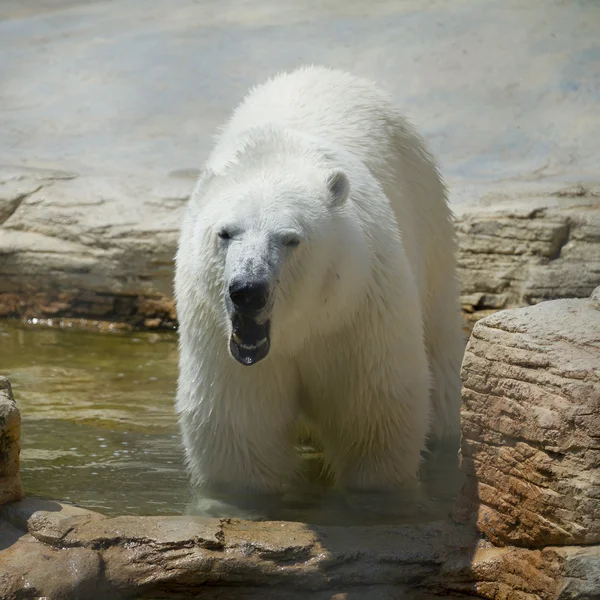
[{"x": 366, "y": 312}]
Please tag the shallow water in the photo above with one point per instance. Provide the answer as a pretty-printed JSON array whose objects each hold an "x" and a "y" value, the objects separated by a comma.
[
  {"x": 99, "y": 431},
  {"x": 98, "y": 427}
]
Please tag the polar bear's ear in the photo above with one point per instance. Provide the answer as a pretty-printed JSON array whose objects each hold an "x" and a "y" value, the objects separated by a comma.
[
  {"x": 205, "y": 176},
  {"x": 203, "y": 179},
  {"x": 339, "y": 188}
]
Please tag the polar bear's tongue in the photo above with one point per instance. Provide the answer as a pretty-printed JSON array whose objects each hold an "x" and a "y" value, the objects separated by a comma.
[{"x": 249, "y": 341}]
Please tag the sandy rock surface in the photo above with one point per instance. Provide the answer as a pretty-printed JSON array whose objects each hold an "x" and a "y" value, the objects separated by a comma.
[
  {"x": 531, "y": 424},
  {"x": 501, "y": 89},
  {"x": 521, "y": 247}
]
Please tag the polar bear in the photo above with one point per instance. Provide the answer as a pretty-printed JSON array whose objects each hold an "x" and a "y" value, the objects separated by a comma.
[{"x": 316, "y": 280}]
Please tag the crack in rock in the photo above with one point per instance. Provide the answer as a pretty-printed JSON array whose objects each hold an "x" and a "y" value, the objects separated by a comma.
[{"x": 8, "y": 206}]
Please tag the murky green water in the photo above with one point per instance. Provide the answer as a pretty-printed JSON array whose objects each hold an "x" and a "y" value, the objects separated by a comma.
[
  {"x": 99, "y": 431},
  {"x": 98, "y": 427}
]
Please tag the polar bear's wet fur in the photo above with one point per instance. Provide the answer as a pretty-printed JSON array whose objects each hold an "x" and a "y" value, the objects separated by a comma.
[{"x": 316, "y": 279}]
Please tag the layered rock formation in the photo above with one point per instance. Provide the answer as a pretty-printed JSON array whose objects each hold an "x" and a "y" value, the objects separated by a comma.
[
  {"x": 88, "y": 248},
  {"x": 531, "y": 424},
  {"x": 520, "y": 248}
]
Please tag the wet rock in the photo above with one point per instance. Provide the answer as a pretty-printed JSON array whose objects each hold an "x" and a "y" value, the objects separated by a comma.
[
  {"x": 185, "y": 557},
  {"x": 44, "y": 516},
  {"x": 91, "y": 530},
  {"x": 151, "y": 557},
  {"x": 531, "y": 425},
  {"x": 10, "y": 445},
  {"x": 33, "y": 570}
]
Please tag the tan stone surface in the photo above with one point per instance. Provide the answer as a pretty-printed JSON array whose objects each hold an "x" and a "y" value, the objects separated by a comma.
[
  {"x": 520, "y": 249},
  {"x": 149, "y": 557},
  {"x": 515, "y": 573},
  {"x": 84, "y": 247},
  {"x": 10, "y": 445},
  {"x": 531, "y": 425},
  {"x": 34, "y": 570},
  {"x": 580, "y": 572},
  {"x": 52, "y": 550}
]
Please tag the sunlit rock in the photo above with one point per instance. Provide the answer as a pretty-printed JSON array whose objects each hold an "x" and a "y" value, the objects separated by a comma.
[{"x": 531, "y": 425}]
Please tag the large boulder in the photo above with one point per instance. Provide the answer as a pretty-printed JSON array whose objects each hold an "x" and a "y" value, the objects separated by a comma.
[
  {"x": 88, "y": 247},
  {"x": 10, "y": 445},
  {"x": 531, "y": 425}
]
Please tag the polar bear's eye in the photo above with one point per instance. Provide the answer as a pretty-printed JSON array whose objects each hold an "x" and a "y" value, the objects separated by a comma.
[{"x": 224, "y": 234}]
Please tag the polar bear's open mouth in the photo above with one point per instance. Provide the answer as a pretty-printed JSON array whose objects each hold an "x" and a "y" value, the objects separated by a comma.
[{"x": 249, "y": 342}]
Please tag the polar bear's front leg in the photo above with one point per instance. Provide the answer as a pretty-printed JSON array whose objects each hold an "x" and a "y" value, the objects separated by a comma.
[
  {"x": 377, "y": 440},
  {"x": 238, "y": 428}
]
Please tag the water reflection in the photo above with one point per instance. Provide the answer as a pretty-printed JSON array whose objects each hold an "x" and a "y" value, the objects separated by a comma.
[
  {"x": 99, "y": 430},
  {"x": 311, "y": 499}
]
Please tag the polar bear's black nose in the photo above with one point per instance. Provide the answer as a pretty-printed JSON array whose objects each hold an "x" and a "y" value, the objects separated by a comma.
[{"x": 249, "y": 296}]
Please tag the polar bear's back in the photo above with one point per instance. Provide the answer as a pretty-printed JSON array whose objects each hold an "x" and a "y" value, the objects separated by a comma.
[{"x": 328, "y": 104}]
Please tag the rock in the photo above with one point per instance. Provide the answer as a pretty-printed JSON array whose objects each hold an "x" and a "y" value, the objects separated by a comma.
[
  {"x": 501, "y": 573},
  {"x": 10, "y": 445},
  {"x": 521, "y": 252},
  {"x": 130, "y": 107},
  {"x": 186, "y": 557},
  {"x": 90, "y": 248},
  {"x": 34, "y": 570},
  {"x": 581, "y": 573},
  {"x": 150, "y": 557},
  {"x": 531, "y": 425}
]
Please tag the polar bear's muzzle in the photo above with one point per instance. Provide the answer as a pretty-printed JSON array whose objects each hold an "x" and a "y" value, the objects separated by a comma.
[
  {"x": 248, "y": 305},
  {"x": 250, "y": 341}
]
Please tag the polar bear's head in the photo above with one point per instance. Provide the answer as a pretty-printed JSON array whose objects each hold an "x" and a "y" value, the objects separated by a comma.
[{"x": 276, "y": 243}]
